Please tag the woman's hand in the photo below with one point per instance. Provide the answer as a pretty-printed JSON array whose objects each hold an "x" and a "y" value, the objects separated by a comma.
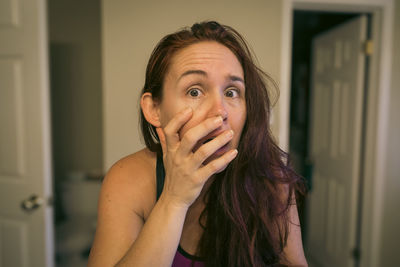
[{"x": 185, "y": 172}]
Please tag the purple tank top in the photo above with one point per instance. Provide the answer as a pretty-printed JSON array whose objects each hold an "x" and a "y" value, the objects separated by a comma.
[{"x": 183, "y": 259}]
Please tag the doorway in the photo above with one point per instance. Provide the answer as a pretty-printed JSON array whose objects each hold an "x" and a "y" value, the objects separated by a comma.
[
  {"x": 306, "y": 25},
  {"x": 379, "y": 78},
  {"x": 77, "y": 124},
  {"x": 315, "y": 32}
]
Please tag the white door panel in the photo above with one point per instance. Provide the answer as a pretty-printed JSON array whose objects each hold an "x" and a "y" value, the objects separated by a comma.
[
  {"x": 26, "y": 235},
  {"x": 337, "y": 100}
]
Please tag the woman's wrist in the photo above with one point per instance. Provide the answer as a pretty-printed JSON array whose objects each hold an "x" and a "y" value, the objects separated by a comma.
[{"x": 172, "y": 203}]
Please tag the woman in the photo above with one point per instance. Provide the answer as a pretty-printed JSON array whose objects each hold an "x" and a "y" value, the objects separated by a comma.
[{"x": 211, "y": 188}]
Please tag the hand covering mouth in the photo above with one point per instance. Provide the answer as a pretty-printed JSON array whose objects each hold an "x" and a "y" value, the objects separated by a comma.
[{"x": 211, "y": 136}]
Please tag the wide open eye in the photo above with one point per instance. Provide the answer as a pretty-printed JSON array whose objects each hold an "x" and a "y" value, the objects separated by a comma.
[
  {"x": 232, "y": 93},
  {"x": 194, "y": 92}
]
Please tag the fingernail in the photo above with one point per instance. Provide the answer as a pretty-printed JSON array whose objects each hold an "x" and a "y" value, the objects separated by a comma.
[
  {"x": 229, "y": 133},
  {"x": 233, "y": 153},
  {"x": 218, "y": 120}
]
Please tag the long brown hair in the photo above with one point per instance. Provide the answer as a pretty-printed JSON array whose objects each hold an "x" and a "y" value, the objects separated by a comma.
[{"x": 246, "y": 213}]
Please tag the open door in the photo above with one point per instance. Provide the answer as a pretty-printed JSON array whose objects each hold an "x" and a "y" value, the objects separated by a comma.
[
  {"x": 26, "y": 219},
  {"x": 336, "y": 124}
]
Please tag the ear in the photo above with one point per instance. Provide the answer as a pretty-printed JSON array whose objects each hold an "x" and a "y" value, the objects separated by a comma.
[{"x": 151, "y": 109}]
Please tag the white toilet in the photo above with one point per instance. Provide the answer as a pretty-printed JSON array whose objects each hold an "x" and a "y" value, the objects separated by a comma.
[{"x": 75, "y": 235}]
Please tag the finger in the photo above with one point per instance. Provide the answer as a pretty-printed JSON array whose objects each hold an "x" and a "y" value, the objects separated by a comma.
[
  {"x": 161, "y": 136},
  {"x": 192, "y": 136},
  {"x": 211, "y": 147},
  {"x": 217, "y": 164},
  {"x": 171, "y": 131}
]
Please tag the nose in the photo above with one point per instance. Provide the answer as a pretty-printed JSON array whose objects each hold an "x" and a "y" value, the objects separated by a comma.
[
  {"x": 218, "y": 108},
  {"x": 223, "y": 113}
]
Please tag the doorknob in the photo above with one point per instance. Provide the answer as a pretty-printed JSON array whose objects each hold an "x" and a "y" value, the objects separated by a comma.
[{"x": 32, "y": 203}]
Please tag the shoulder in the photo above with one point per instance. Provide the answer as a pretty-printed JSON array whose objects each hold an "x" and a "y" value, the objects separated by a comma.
[
  {"x": 127, "y": 196},
  {"x": 131, "y": 181},
  {"x": 131, "y": 167}
]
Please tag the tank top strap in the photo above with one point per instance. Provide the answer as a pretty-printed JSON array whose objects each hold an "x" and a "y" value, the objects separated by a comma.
[{"x": 160, "y": 175}]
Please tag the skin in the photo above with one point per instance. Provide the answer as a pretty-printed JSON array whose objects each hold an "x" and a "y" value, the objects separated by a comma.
[
  {"x": 207, "y": 78},
  {"x": 206, "y": 81},
  {"x": 203, "y": 99}
]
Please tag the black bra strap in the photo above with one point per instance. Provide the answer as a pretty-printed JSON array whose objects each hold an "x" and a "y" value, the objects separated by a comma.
[{"x": 160, "y": 174}]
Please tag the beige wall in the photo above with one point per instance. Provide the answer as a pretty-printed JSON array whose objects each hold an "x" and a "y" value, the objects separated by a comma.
[
  {"x": 131, "y": 29},
  {"x": 389, "y": 254}
]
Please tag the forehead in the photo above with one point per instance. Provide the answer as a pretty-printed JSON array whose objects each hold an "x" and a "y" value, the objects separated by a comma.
[{"x": 209, "y": 56}]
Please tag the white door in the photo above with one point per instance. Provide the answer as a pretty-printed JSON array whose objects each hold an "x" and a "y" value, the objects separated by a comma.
[
  {"x": 336, "y": 123},
  {"x": 26, "y": 217}
]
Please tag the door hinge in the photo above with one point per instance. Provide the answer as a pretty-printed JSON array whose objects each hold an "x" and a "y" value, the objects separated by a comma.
[
  {"x": 368, "y": 47},
  {"x": 356, "y": 253}
]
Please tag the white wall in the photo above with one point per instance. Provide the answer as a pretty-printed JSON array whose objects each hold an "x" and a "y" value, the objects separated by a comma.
[{"x": 131, "y": 29}]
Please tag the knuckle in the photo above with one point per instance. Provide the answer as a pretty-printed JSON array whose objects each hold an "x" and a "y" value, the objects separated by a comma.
[
  {"x": 213, "y": 166},
  {"x": 210, "y": 122},
  {"x": 201, "y": 153},
  {"x": 209, "y": 125},
  {"x": 167, "y": 130},
  {"x": 220, "y": 140},
  {"x": 189, "y": 138}
]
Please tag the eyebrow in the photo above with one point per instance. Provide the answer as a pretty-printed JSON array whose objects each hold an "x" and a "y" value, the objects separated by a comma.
[
  {"x": 235, "y": 78},
  {"x": 189, "y": 72},
  {"x": 232, "y": 78}
]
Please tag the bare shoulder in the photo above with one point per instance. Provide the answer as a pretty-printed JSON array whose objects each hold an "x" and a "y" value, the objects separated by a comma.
[
  {"x": 140, "y": 161},
  {"x": 132, "y": 178},
  {"x": 127, "y": 196}
]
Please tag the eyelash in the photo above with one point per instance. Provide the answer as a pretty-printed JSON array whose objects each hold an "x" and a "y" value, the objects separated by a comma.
[
  {"x": 192, "y": 89},
  {"x": 237, "y": 91},
  {"x": 233, "y": 90}
]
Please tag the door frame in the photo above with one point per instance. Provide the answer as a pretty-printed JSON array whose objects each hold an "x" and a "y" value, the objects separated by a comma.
[{"x": 377, "y": 106}]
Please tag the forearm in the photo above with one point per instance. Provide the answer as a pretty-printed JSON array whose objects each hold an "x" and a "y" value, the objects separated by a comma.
[{"x": 158, "y": 240}]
